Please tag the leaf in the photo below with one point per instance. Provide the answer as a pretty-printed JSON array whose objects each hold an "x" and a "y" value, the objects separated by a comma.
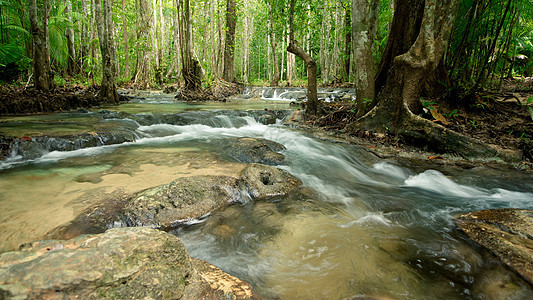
[{"x": 438, "y": 116}]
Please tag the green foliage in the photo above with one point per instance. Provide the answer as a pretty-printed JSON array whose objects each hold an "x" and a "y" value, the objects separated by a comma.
[
  {"x": 486, "y": 40},
  {"x": 453, "y": 113}
]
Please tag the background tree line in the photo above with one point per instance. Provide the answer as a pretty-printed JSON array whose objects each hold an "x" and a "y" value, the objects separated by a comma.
[{"x": 491, "y": 41}]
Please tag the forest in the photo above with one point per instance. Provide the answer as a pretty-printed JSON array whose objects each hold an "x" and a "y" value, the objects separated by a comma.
[
  {"x": 197, "y": 45},
  {"x": 146, "y": 150}
]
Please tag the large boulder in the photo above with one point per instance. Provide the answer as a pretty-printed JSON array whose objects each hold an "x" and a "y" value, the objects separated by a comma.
[
  {"x": 193, "y": 197},
  {"x": 184, "y": 199},
  {"x": 180, "y": 200},
  {"x": 122, "y": 263},
  {"x": 507, "y": 233},
  {"x": 252, "y": 150}
]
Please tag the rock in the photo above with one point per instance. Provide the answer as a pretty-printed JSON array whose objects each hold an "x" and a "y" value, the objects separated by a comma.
[
  {"x": 122, "y": 263},
  {"x": 265, "y": 181},
  {"x": 507, "y": 233},
  {"x": 253, "y": 150},
  {"x": 169, "y": 205},
  {"x": 180, "y": 200}
]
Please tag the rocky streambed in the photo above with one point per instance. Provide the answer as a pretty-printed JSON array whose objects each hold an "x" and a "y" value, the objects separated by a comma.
[
  {"x": 294, "y": 214},
  {"x": 84, "y": 258}
]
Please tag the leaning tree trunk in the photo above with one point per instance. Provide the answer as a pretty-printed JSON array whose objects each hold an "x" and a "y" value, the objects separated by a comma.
[
  {"x": 41, "y": 46},
  {"x": 313, "y": 106},
  {"x": 229, "y": 49},
  {"x": 364, "y": 28},
  {"x": 405, "y": 81},
  {"x": 104, "y": 25}
]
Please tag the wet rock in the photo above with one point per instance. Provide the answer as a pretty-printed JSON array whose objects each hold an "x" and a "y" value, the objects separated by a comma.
[
  {"x": 122, "y": 263},
  {"x": 36, "y": 146},
  {"x": 169, "y": 205},
  {"x": 507, "y": 233},
  {"x": 253, "y": 150},
  {"x": 180, "y": 200},
  {"x": 265, "y": 181}
]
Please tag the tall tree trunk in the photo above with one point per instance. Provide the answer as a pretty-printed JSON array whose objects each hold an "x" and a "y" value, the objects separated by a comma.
[
  {"x": 104, "y": 25},
  {"x": 126, "y": 41},
  {"x": 273, "y": 44},
  {"x": 364, "y": 28},
  {"x": 72, "y": 67},
  {"x": 403, "y": 33},
  {"x": 347, "y": 43},
  {"x": 229, "y": 49},
  {"x": 143, "y": 74},
  {"x": 313, "y": 106},
  {"x": 43, "y": 78},
  {"x": 192, "y": 73}
]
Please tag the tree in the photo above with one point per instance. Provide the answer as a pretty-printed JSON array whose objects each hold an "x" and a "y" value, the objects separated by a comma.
[
  {"x": 43, "y": 77},
  {"x": 405, "y": 80},
  {"x": 191, "y": 71},
  {"x": 313, "y": 106},
  {"x": 143, "y": 72},
  {"x": 273, "y": 44},
  {"x": 72, "y": 64},
  {"x": 364, "y": 27},
  {"x": 229, "y": 48},
  {"x": 104, "y": 25}
]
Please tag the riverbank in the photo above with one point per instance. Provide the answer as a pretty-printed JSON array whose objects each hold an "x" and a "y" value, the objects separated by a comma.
[{"x": 500, "y": 119}]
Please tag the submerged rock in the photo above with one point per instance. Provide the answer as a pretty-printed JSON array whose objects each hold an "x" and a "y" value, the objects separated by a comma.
[
  {"x": 507, "y": 233},
  {"x": 122, "y": 263},
  {"x": 253, "y": 150}
]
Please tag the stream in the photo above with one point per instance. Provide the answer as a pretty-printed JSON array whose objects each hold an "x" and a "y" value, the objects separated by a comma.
[{"x": 360, "y": 226}]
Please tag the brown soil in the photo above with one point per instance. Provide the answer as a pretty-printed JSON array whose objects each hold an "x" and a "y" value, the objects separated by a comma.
[{"x": 18, "y": 100}]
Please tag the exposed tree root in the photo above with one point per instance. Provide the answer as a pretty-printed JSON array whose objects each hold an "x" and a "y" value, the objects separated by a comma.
[
  {"x": 422, "y": 132},
  {"x": 218, "y": 92}
]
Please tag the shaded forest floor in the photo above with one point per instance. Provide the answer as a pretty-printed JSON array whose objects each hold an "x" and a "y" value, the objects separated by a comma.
[
  {"x": 18, "y": 100},
  {"x": 503, "y": 119}
]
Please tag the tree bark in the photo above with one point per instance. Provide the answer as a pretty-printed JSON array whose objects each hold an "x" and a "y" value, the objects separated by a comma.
[
  {"x": 143, "y": 72},
  {"x": 72, "y": 66},
  {"x": 313, "y": 106},
  {"x": 104, "y": 25},
  {"x": 347, "y": 43},
  {"x": 364, "y": 28},
  {"x": 229, "y": 49},
  {"x": 126, "y": 47},
  {"x": 273, "y": 44},
  {"x": 191, "y": 71},
  {"x": 43, "y": 77},
  {"x": 403, "y": 33}
]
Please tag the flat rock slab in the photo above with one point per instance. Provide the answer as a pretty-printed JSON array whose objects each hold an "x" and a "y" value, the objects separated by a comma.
[
  {"x": 507, "y": 233},
  {"x": 122, "y": 263}
]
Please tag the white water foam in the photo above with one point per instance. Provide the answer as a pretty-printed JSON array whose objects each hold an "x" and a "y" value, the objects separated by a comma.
[{"x": 435, "y": 181}]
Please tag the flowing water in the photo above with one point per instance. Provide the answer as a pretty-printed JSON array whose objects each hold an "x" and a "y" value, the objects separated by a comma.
[{"x": 360, "y": 226}]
